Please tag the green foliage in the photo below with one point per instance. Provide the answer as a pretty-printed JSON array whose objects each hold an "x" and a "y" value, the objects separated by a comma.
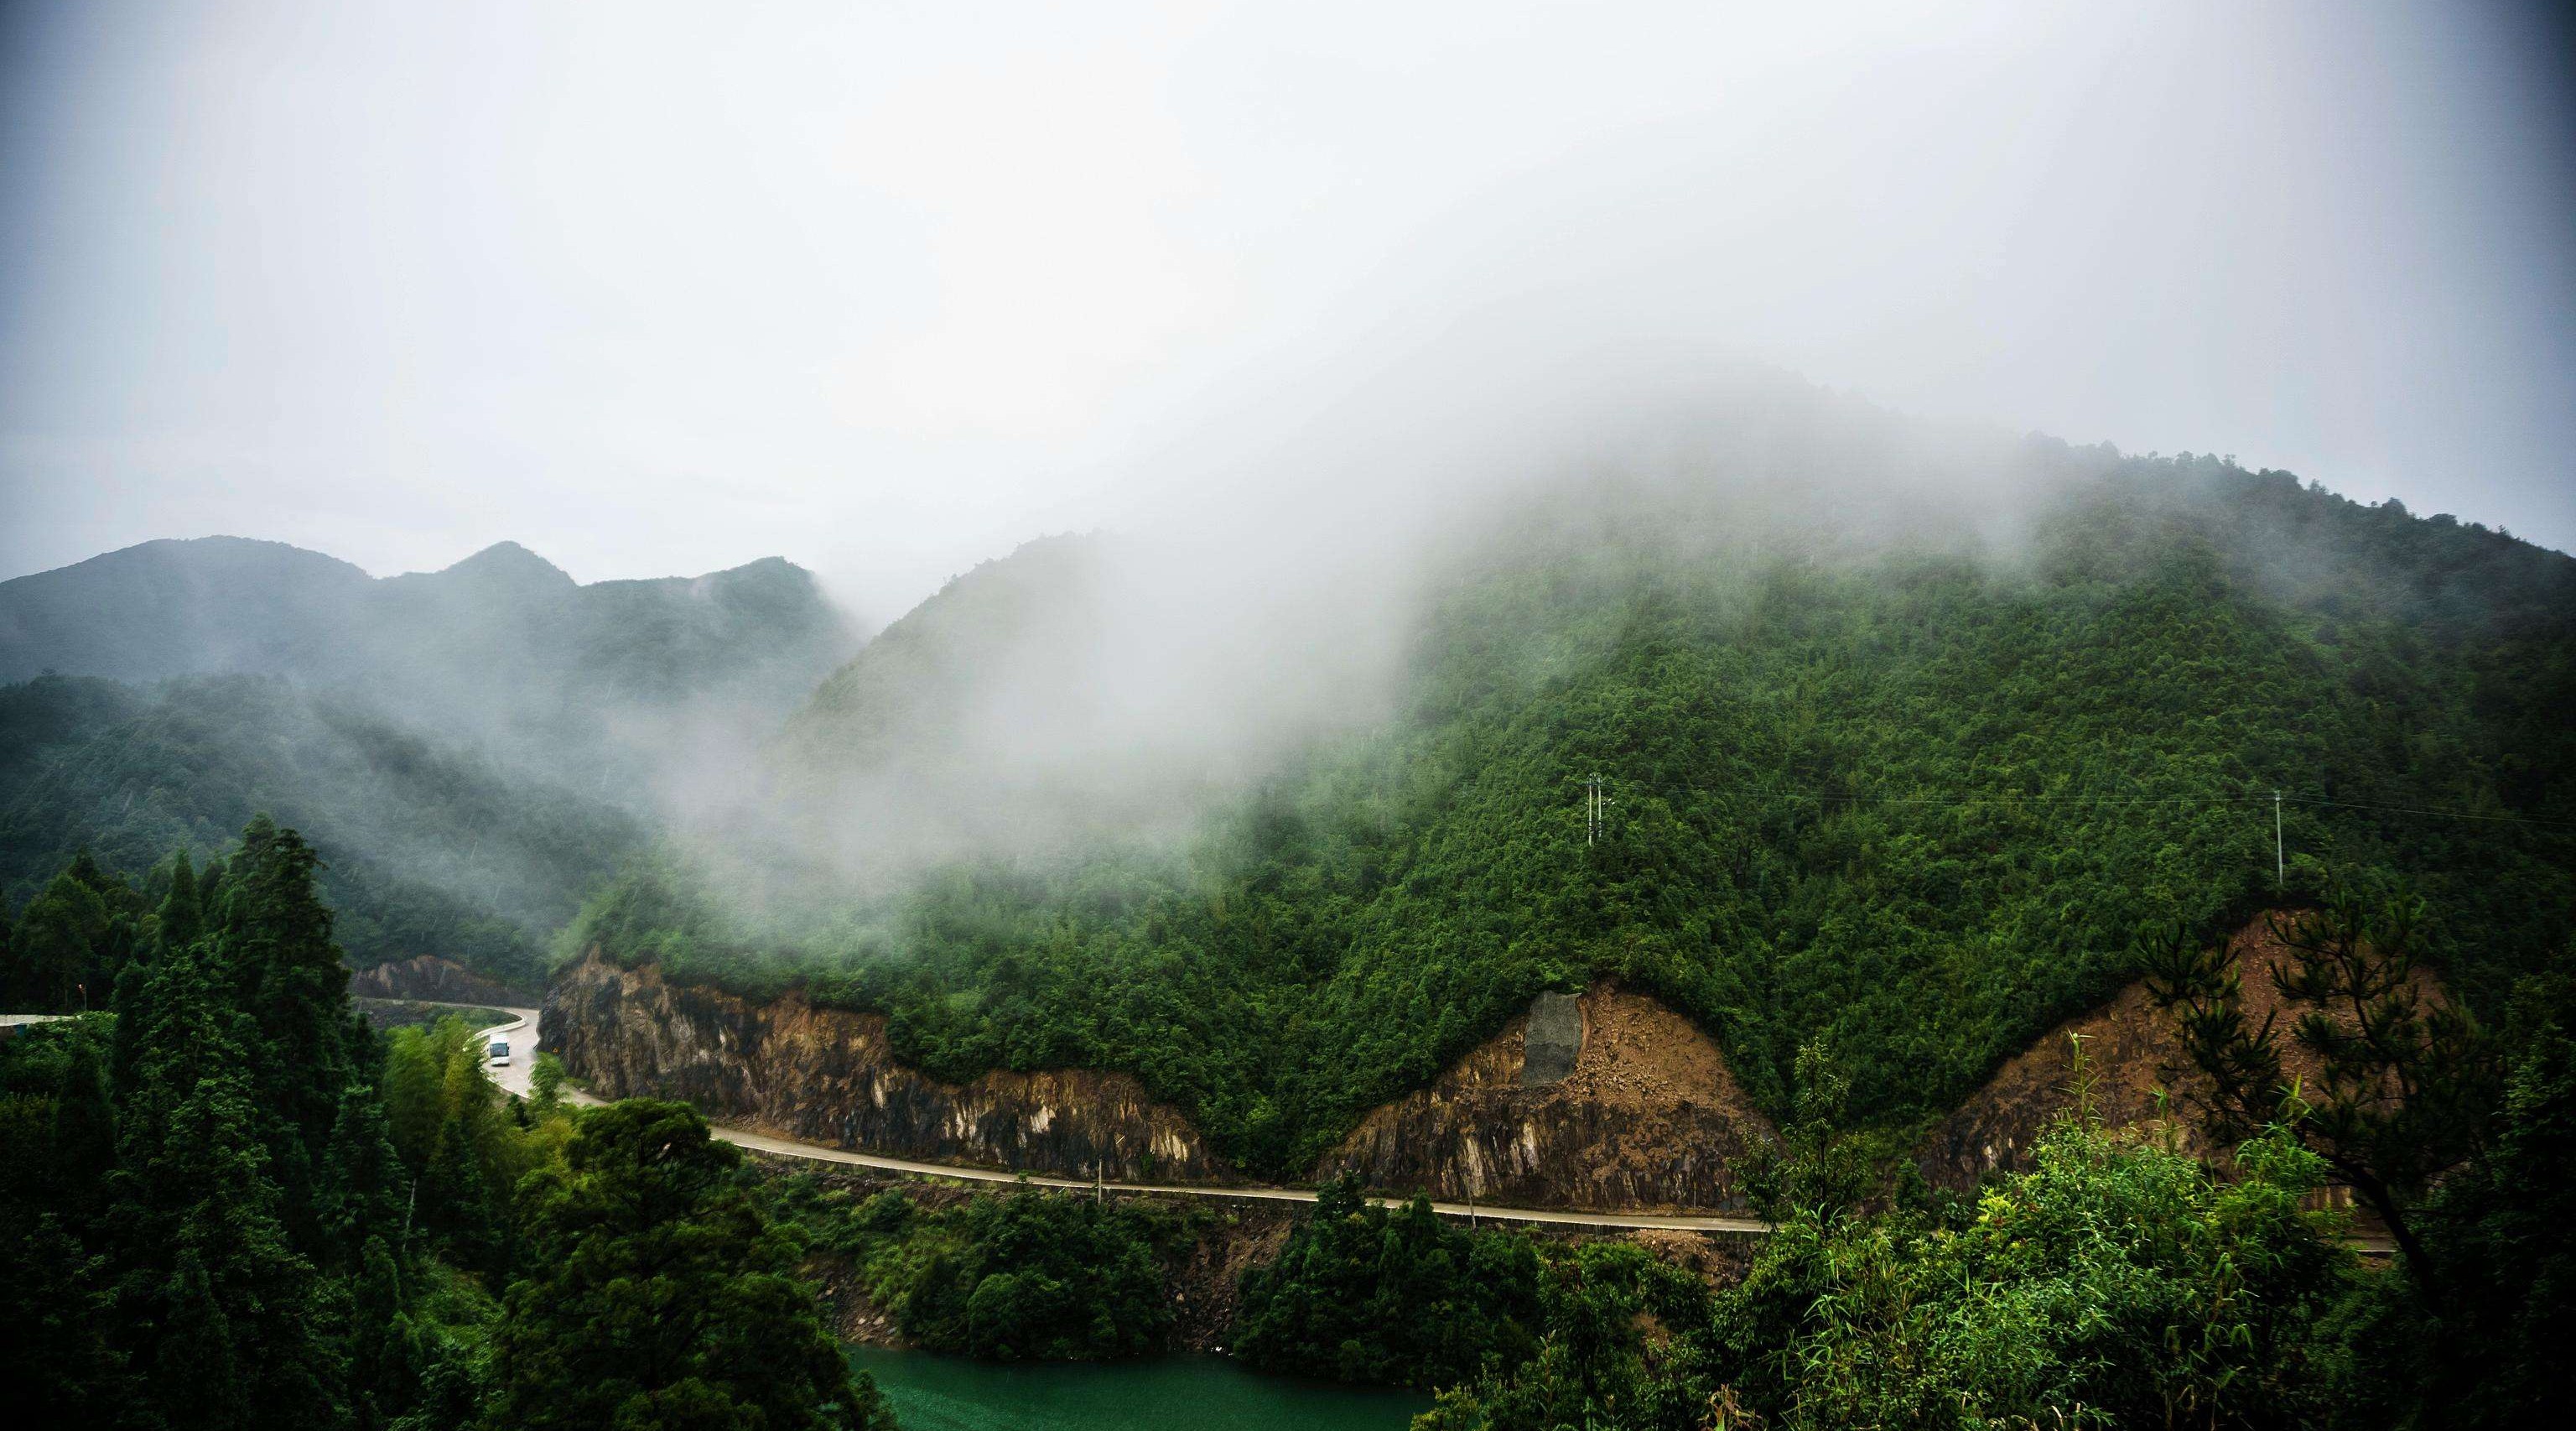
[
  {"x": 1395, "y": 1297},
  {"x": 2117, "y": 1284},
  {"x": 435, "y": 849},
  {"x": 656, "y": 1294},
  {"x": 229, "y": 1205},
  {"x": 545, "y": 1083},
  {"x": 2406, "y": 1089},
  {"x": 1911, "y": 797},
  {"x": 1818, "y": 1168},
  {"x": 1594, "y": 1367},
  {"x": 1027, "y": 1276},
  {"x": 463, "y": 1154},
  {"x": 72, "y": 940},
  {"x": 219, "y": 1304},
  {"x": 2109, "y": 1286},
  {"x": 57, "y": 1310},
  {"x": 2500, "y": 1348}
]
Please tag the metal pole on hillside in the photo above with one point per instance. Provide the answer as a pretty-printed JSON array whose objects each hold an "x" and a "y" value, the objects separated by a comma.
[
  {"x": 2280, "y": 866},
  {"x": 1596, "y": 808}
]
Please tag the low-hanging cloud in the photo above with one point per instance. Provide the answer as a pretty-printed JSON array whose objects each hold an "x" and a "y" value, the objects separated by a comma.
[{"x": 888, "y": 290}]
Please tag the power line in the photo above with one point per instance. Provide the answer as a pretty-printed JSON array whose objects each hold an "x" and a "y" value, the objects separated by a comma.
[
  {"x": 2443, "y": 814},
  {"x": 2018, "y": 799},
  {"x": 2279, "y": 798}
]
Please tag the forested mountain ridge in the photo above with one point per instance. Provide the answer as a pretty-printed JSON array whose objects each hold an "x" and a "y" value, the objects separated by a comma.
[
  {"x": 1915, "y": 795},
  {"x": 435, "y": 849},
  {"x": 967, "y": 727},
  {"x": 504, "y": 627},
  {"x": 480, "y": 746},
  {"x": 922, "y": 678},
  {"x": 169, "y": 608}
]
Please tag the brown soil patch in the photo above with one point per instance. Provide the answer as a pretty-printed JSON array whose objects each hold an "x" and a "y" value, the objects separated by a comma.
[
  {"x": 1639, "y": 1054},
  {"x": 2136, "y": 1066},
  {"x": 1649, "y": 1119}
]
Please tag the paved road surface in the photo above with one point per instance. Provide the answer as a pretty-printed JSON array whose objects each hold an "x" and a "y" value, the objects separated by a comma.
[{"x": 521, "y": 1034}]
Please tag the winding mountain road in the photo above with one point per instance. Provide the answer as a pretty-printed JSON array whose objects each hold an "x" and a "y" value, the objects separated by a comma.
[{"x": 521, "y": 1034}]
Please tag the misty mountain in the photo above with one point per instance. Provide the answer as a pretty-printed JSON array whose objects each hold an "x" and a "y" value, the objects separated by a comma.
[
  {"x": 1026, "y": 624},
  {"x": 1896, "y": 760},
  {"x": 979, "y": 722},
  {"x": 429, "y": 848},
  {"x": 503, "y": 647},
  {"x": 474, "y": 749}
]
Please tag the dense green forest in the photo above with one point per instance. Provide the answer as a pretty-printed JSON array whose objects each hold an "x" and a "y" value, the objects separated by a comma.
[
  {"x": 436, "y": 850},
  {"x": 1915, "y": 793},
  {"x": 1372, "y": 1294},
  {"x": 226, "y": 1204},
  {"x": 1030, "y": 1276}
]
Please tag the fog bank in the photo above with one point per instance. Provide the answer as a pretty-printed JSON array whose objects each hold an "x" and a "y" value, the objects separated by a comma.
[{"x": 888, "y": 290}]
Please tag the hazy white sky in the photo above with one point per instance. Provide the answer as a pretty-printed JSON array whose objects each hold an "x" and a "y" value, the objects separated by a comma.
[{"x": 886, "y": 289}]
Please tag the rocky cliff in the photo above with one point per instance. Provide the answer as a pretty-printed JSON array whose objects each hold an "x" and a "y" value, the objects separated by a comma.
[
  {"x": 1641, "y": 1115},
  {"x": 1608, "y": 1101},
  {"x": 829, "y": 1076}
]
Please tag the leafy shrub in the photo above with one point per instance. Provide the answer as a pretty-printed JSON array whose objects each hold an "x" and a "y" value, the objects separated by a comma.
[
  {"x": 1030, "y": 1276},
  {"x": 1395, "y": 1297}
]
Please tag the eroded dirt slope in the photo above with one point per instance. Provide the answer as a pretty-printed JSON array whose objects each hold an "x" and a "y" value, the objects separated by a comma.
[
  {"x": 2131, "y": 1056},
  {"x": 1648, "y": 1119}
]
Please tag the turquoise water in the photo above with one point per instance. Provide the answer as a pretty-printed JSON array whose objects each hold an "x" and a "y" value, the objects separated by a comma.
[{"x": 1183, "y": 1393}]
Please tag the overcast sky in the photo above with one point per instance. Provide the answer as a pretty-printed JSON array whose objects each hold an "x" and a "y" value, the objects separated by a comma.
[{"x": 886, "y": 289}]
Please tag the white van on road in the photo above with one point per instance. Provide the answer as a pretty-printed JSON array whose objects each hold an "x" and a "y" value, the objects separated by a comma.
[{"x": 500, "y": 1053}]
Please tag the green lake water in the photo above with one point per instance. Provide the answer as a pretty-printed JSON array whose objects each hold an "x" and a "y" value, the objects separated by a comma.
[{"x": 1182, "y": 1393}]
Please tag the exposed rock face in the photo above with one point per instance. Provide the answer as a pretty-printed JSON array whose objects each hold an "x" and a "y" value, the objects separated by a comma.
[
  {"x": 2131, "y": 1053},
  {"x": 1644, "y": 1116},
  {"x": 2127, "y": 1046},
  {"x": 436, "y": 980},
  {"x": 829, "y": 1076}
]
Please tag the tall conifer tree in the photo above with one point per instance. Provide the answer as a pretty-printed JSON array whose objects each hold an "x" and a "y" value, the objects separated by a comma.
[
  {"x": 207, "y": 1279},
  {"x": 275, "y": 934}
]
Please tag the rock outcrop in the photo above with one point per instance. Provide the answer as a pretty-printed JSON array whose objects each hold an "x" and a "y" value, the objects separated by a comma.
[
  {"x": 1642, "y": 1115},
  {"x": 829, "y": 1076},
  {"x": 2134, "y": 1067},
  {"x": 2128, "y": 1047},
  {"x": 436, "y": 980}
]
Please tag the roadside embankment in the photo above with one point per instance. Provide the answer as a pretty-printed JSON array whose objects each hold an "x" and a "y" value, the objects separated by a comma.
[{"x": 829, "y": 1076}]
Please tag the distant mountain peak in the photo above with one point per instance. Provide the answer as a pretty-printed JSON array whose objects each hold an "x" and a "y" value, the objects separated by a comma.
[
  {"x": 504, "y": 623},
  {"x": 513, "y": 562}
]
